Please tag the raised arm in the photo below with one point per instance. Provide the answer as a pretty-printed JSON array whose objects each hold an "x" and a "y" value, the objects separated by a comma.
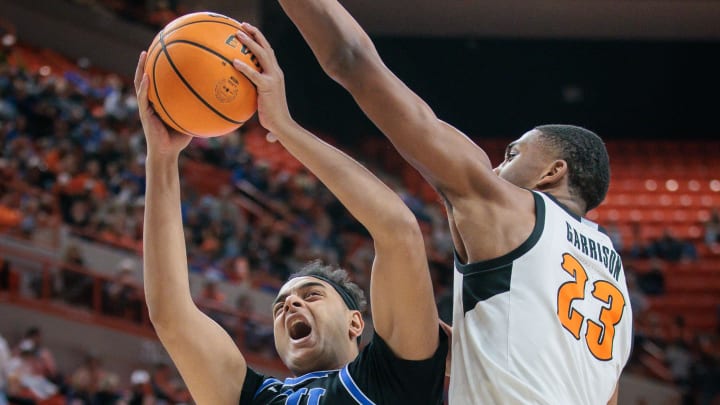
[
  {"x": 400, "y": 273},
  {"x": 450, "y": 161},
  {"x": 208, "y": 360}
]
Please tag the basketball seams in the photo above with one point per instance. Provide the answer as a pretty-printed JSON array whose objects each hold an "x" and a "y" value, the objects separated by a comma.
[
  {"x": 163, "y": 33},
  {"x": 219, "y": 55},
  {"x": 189, "y": 87},
  {"x": 157, "y": 96}
]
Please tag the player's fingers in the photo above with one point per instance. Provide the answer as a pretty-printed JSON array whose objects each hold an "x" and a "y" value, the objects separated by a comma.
[
  {"x": 142, "y": 92},
  {"x": 258, "y": 35},
  {"x": 251, "y": 44},
  {"x": 139, "y": 70},
  {"x": 252, "y": 74}
]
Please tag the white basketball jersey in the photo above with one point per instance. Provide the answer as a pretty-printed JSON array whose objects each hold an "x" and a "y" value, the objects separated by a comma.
[{"x": 548, "y": 323}]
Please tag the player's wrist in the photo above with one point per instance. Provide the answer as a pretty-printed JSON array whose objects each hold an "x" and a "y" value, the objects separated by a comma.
[
  {"x": 284, "y": 127},
  {"x": 157, "y": 159}
]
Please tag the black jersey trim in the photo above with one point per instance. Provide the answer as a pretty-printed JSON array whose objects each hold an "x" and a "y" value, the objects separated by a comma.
[
  {"x": 564, "y": 207},
  {"x": 482, "y": 285},
  {"x": 508, "y": 258}
]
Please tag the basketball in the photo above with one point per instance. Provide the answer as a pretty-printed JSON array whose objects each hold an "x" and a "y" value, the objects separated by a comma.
[{"x": 194, "y": 87}]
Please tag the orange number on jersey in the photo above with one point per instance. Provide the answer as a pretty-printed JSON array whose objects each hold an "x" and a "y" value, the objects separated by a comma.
[
  {"x": 599, "y": 336},
  {"x": 571, "y": 319}
]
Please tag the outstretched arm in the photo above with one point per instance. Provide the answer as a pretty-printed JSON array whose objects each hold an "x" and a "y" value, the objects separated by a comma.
[
  {"x": 450, "y": 161},
  {"x": 208, "y": 360},
  {"x": 478, "y": 202},
  {"x": 400, "y": 273}
]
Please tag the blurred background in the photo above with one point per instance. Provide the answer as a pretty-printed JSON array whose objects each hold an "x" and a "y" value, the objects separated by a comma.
[{"x": 74, "y": 327}]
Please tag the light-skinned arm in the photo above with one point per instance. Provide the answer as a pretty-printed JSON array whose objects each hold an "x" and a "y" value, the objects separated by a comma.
[
  {"x": 208, "y": 360},
  {"x": 400, "y": 272}
]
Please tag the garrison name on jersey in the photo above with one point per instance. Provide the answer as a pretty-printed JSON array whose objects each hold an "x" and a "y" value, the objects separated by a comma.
[{"x": 605, "y": 255}]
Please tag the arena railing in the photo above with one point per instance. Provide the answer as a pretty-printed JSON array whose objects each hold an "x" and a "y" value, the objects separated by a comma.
[{"x": 36, "y": 283}]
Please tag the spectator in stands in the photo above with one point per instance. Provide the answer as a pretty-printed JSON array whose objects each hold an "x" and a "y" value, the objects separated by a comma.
[
  {"x": 117, "y": 103},
  {"x": 89, "y": 379},
  {"x": 712, "y": 230},
  {"x": 4, "y": 363},
  {"x": 44, "y": 362},
  {"x": 652, "y": 282},
  {"x": 211, "y": 295},
  {"x": 256, "y": 336},
  {"x": 108, "y": 392},
  {"x": 10, "y": 214},
  {"x": 25, "y": 385},
  {"x": 638, "y": 299},
  {"x": 122, "y": 295},
  {"x": 706, "y": 371},
  {"x": 165, "y": 387},
  {"x": 141, "y": 391},
  {"x": 76, "y": 285},
  {"x": 237, "y": 271},
  {"x": 679, "y": 357},
  {"x": 671, "y": 248},
  {"x": 212, "y": 301}
]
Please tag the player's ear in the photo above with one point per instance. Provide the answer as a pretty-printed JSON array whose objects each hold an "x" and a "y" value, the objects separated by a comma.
[
  {"x": 357, "y": 324},
  {"x": 556, "y": 172}
]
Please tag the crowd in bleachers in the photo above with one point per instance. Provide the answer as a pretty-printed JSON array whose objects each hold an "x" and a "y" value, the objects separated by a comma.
[
  {"x": 665, "y": 348},
  {"x": 73, "y": 154},
  {"x": 29, "y": 374}
]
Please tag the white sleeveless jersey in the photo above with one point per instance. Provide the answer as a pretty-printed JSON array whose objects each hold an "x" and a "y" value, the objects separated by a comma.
[{"x": 548, "y": 323}]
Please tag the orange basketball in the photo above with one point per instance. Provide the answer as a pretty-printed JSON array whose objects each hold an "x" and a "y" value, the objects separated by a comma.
[{"x": 194, "y": 87}]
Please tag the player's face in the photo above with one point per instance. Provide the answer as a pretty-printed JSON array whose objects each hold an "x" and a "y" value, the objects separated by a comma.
[
  {"x": 525, "y": 161},
  {"x": 311, "y": 324}
]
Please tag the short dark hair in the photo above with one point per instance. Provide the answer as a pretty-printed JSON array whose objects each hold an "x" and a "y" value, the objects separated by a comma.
[
  {"x": 337, "y": 275},
  {"x": 587, "y": 159}
]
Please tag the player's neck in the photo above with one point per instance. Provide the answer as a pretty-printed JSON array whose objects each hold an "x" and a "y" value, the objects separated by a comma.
[{"x": 571, "y": 203}]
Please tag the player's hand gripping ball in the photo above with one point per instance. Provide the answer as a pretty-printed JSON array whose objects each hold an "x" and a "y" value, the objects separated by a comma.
[{"x": 193, "y": 86}]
